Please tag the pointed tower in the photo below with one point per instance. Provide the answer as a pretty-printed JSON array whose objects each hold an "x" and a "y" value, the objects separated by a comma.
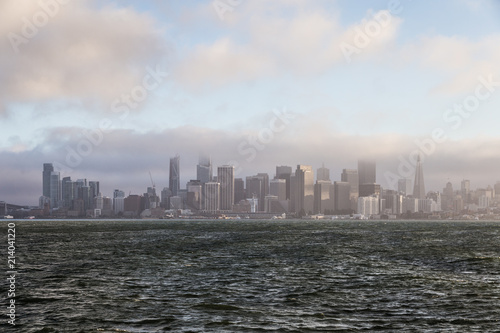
[{"x": 418, "y": 185}]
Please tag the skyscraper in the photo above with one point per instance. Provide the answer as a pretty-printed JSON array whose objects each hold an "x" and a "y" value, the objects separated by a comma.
[
  {"x": 55, "y": 189},
  {"x": 68, "y": 192},
  {"x": 118, "y": 194},
  {"x": 465, "y": 190},
  {"x": 404, "y": 186},
  {"x": 194, "y": 194},
  {"x": 418, "y": 185},
  {"x": 366, "y": 190},
  {"x": 304, "y": 180},
  {"x": 285, "y": 172},
  {"x": 225, "y": 177},
  {"x": 367, "y": 172},
  {"x": 258, "y": 187},
  {"x": 265, "y": 184},
  {"x": 204, "y": 169},
  {"x": 212, "y": 195},
  {"x": 323, "y": 199},
  {"x": 278, "y": 188},
  {"x": 94, "y": 192},
  {"x": 94, "y": 188},
  {"x": 254, "y": 190},
  {"x": 323, "y": 173},
  {"x": 351, "y": 176},
  {"x": 174, "y": 180},
  {"x": 341, "y": 196},
  {"x": 239, "y": 190},
  {"x": 84, "y": 194},
  {"x": 48, "y": 168}
]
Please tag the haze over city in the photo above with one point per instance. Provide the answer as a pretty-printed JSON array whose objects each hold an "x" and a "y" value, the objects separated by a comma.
[{"x": 111, "y": 91}]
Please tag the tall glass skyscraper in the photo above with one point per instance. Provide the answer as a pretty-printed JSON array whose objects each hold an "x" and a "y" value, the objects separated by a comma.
[
  {"x": 204, "y": 169},
  {"x": 304, "y": 182},
  {"x": 367, "y": 172},
  {"x": 418, "y": 185},
  {"x": 285, "y": 172},
  {"x": 323, "y": 173},
  {"x": 225, "y": 176},
  {"x": 55, "y": 189},
  {"x": 174, "y": 180},
  {"x": 48, "y": 168}
]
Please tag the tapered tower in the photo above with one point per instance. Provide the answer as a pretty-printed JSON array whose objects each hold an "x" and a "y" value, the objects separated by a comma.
[{"x": 418, "y": 185}]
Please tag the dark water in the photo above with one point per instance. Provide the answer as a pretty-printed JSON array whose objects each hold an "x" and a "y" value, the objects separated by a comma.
[{"x": 256, "y": 276}]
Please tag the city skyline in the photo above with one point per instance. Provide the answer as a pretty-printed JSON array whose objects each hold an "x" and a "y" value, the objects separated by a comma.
[
  {"x": 255, "y": 85},
  {"x": 288, "y": 192},
  {"x": 184, "y": 175}
]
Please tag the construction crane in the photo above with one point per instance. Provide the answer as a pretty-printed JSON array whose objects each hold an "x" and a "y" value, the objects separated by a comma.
[
  {"x": 152, "y": 182},
  {"x": 155, "y": 197}
]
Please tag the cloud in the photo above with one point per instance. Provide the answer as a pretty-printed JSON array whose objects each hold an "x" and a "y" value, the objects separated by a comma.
[
  {"x": 80, "y": 52},
  {"x": 266, "y": 39},
  {"x": 460, "y": 60},
  {"x": 124, "y": 158}
]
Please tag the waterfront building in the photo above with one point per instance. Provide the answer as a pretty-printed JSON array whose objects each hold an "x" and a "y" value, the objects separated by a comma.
[
  {"x": 204, "y": 169},
  {"x": 304, "y": 187},
  {"x": 418, "y": 184},
  {"x": 225, "y": 177},
  {"x": 174, "y": 180},
  {"x": 212, "y": 197}
]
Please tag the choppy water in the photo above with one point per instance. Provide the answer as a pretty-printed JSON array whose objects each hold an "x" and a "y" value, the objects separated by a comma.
[{"x": 256, "y": 276}]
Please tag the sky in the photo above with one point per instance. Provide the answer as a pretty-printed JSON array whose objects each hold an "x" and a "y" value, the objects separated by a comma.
[{"x": 111, "y": 90}]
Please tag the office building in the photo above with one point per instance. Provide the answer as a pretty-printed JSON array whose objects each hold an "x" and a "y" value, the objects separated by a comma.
[
  {"x": 55, "y": 189},
  {"x": 84, "y": 194},
  {"x": 404, "y": 186},
  {"x": 323, "y": 174},
  {"x": 410, "y": 205},
  {"x": 132, "y": 205},
  {"x": 67, "y": 188},
  {"x": 212, "y": 197},
  {"x": 418, "y": 184},
  {"x": 304, "y": 187},
  {"x": 448, "y": 197},
  {"x": 176, "y": 202},
  {"x": 94, "y": 191},
  {"x": 225, "y": 177},
  {"x": 119, "y": 204},
  {"x": 99, "y": 201},
  {"x": 323, "y": 199},
  {"x": 118, "y": 194},
  {"x": 351, "y": 177},
  {"x": 174, "y": 180},
  {"x": 366, "y": 190},
  {"x": 165, "y": 195},
  {"x": 342, "y": 197},
  {"x": 367, "y": 172},
  {"x": 194, "y": 194},
  {"x": 48, "y": 168},
  {"x": 277, "y": 188},
  {"x": 204, "y": 169},
  {"x": 271, "y": 204},
  {"x": 254, "y": 190},
  {"x": 368, "y": 206},
  {"x": 465, "y": 190},
  {"x": 285, "y": 172},
  {"x": 239, "y": 190}
]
